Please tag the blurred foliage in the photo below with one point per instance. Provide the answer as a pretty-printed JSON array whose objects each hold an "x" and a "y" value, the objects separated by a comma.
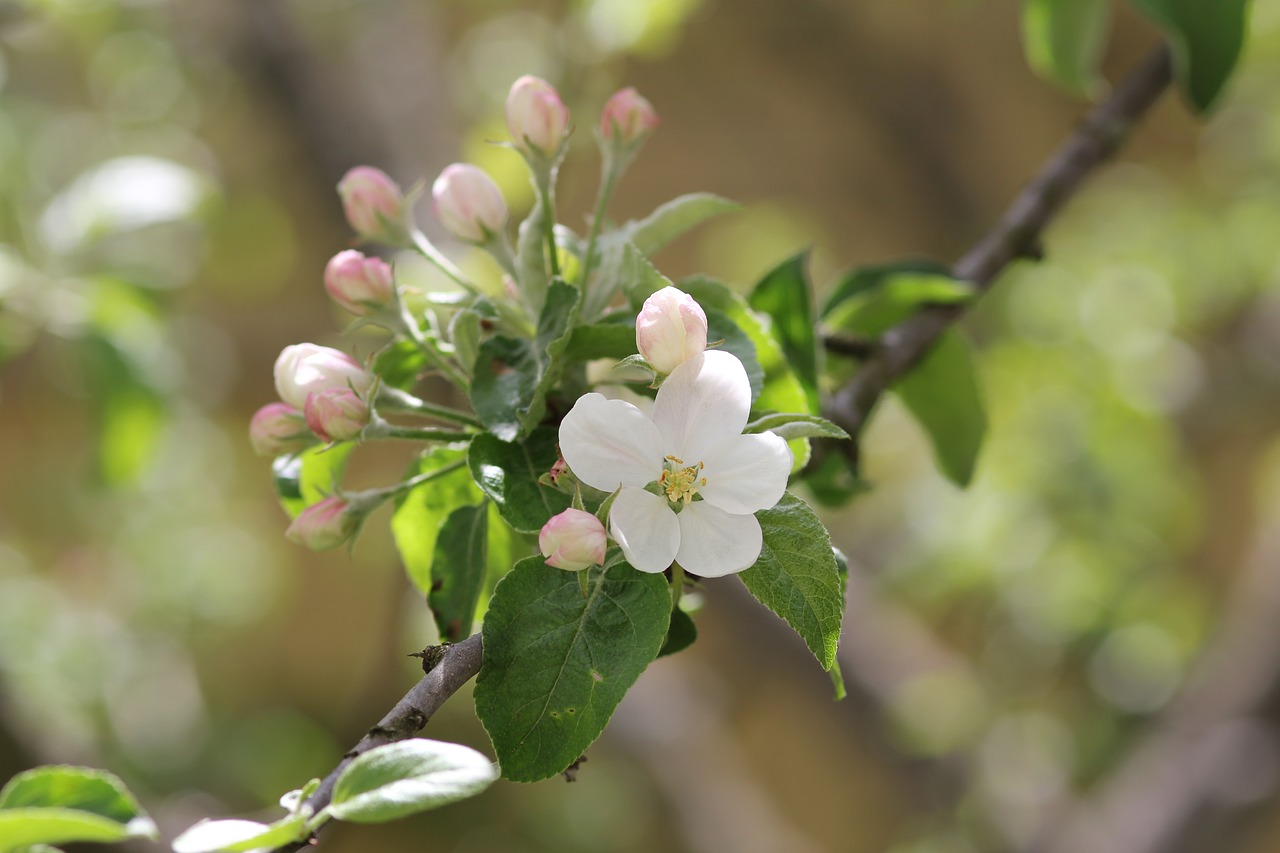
[{"x": 165, "y": 213}]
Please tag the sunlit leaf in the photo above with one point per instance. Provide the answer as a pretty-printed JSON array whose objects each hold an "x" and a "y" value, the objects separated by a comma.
[
  {"x": 399, "y": 779},
  {"x": 1064, "y": 40}
]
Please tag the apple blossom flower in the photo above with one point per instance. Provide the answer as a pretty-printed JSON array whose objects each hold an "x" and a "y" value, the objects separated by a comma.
[
  {"x": 373, "y": 203},
  {"x": 279, "y": 428},
  {"x": 336, "y": 414},
  {"x": 710, "y": 478},
  {"x": 628, "y": 116},
  {"x": 324, "y": 525},
  {"x": 670, "y": 329},
  {"x": 573, "y": 540},
  {"x": 468, "y": 203},
  {"x": 305, "y": 368},
  {"x": 360, "y": 284},
  {"x": 536, "y": 116}
]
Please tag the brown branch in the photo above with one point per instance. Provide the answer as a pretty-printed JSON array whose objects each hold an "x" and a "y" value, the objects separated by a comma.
[
  {"x": 1016, "y": 235},
  {"x": 457, "y": 665}
]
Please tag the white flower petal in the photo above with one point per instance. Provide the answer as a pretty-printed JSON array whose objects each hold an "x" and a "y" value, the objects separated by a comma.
[
  {"x": 609, "y": 443},
  {"x": 703, "y": 403},
  {"x": 747, "y": 473},
  {"x": 714, "y": 543},
  {"x": 646, "y": 528}
]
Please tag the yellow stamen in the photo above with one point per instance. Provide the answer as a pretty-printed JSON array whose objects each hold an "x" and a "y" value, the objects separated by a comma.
[{"x": 681, "y": 483}]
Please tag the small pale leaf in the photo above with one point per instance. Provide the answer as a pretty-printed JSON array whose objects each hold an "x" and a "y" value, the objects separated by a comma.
[{"x": 410, "y": 776}]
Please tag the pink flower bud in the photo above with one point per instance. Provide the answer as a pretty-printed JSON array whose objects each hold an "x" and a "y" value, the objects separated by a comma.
[
  {"x": 303, "y": 369},
  {"x": 279, "y": 428},
  {"x": 558, "y": 470},
  {"x": 336, "y": 414},
  {"x": 468, "y": 203},
  {"x": 628, "y": 116},
  {"x": 536, "y": 116},
  {"x": 573, "y": 540},
  {"x": 324, "y": 525},
  {"x": 361, "y": 285},
  {"x": 373, "y": 203},
  {"x": 670, "y": 328}
]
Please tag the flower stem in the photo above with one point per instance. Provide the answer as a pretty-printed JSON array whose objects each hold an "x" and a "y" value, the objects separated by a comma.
[
  {"x": 377, "y": 496},
  {"x": 379, "y": 428},
  {"x": 410, "y": 328},
  {"x": 425, "y": 248},
  {"x": 402, "y": 401},
  {"x": 607, "y": 182},
  {"x": 677, "y": 585},
  {"x": 546, "y": 183}
]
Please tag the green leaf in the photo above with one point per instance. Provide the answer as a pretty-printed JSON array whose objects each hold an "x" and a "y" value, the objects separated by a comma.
[
  {"x": 942, "y": 392},
  {"x": 82, "y": 788},
  {"x": 602, "y": 340},
  {"x": 1064, "y": 40},
  {"x": 680, "y": 635},
  {"x": 864, "y": 279},
  {"x": 531, "y": 259},
  {"x": 25, "y": 826},
  {"x": 873, "y": 301},
  {"x": 410, "y": 776},
  {"x": 835, "y": 481},
  {"x": 791, "y": 425},
  {"x": 459, "y": 567},
  {"x": 784, "y": 296},
  {"x": 512, "y": 376},
  {"x": 237, "y": 836},
  {"x": 622, "y": 268},
  {"x": 309, "y": 476},
  {"x": 421, "y": 512},
  {"x": 508, "y": 474},
  {"x": 675, "y": 218},
  {"x": 556, "y": 664},
  {"x": 1206, "y": 37},
  {"x": 796, "y": 576}
]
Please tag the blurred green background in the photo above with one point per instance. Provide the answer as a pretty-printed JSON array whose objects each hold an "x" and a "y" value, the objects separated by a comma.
[{"x": 1081, "y": 652}]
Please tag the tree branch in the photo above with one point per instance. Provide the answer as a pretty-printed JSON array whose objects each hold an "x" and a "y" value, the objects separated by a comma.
[
  {"x": 458, "y": 664},
  {"x": 1016, "y": 235}
]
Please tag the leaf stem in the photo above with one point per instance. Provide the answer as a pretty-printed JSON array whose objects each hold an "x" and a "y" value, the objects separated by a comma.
[
  {"x": 437, "y": 258},
  {"x": 607, "y": 182},
  {"x": 677, "y": 585},
  {"x": 402, "y": 401}
]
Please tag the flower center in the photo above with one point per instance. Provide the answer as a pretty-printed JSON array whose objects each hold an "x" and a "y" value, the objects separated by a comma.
[{"x": 680, "y": 482}]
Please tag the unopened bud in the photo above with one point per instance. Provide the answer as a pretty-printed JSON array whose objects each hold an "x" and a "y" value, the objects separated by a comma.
[
  {"x": 468, "y": 203},
  {"x": 670, "y": 329},
  {"x": 373, "y": 203},
  {"x": 324, "y": 525},
  {"x": 573, "y": 540},
  {"x": 303, "y": 369},
  {"x": 279, "y": 428},
  {"x": 336, "y": 414},
  {"x": 360, "y": 284},
  {"x": 627, "y": 117},
  {"x": 536, "y": 116}
]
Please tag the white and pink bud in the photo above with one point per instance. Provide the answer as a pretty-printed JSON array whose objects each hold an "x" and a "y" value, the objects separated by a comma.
[
  {"x": 468, "y": 203},
  {"x": 324, "y": 525},
  {"x": 573, "y": 540},
  {"x": 304, "y": 369},
  {"x": 360, "y": 284},
  {"x": 279, "y": 428},
  {"x": 627, "y": 117},
  {"x": 336, "y": 414},
  {"x": 374, "y": 204},
  {"x": 670, "y": 329},
  {"x": 537, "y": 118}
]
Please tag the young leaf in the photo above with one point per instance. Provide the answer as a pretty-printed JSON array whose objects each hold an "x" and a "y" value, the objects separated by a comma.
[
  {"x": 461, "y": 558},
  {"x": 835, "y": 481},
  {"x": 784, "y": 296},
  {"x": 309, "y": 476},
  {"x": 796, "y": 576},
  {"x": 400, "y": 364},
  {"x": 556, "y": 664},
  {"x": 602, "y": 340},
  {"x": 733, "y": 339},
  {"x": 421, "y": 512},
  {"x": 1206, "y": 37},
  {"x": 410, "y": 776},
  {"x": 791, "y": 425},
  {"x": 508, "y": 474},
  {"x": 531, "y": 259},
  {"x": 56, "y": 804},
  {"x": 675, "y": 218},
  {"x": 942, "y": 392},
  {"x": 238, "y": 836},
  {"x": 1064, "y": 39}
]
